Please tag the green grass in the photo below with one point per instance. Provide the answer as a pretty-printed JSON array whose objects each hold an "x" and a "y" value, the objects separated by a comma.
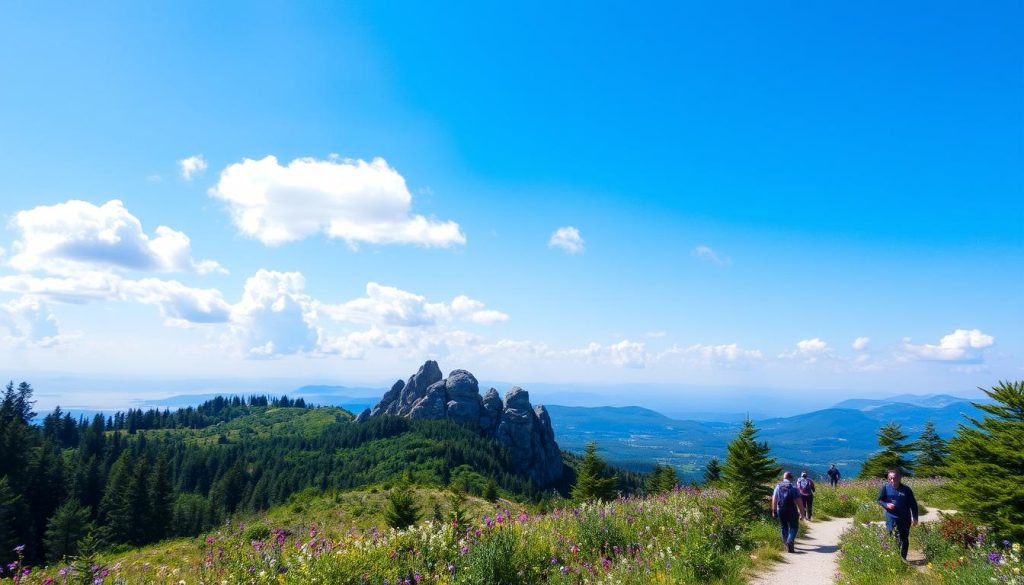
[{"x": 680, "y": 537}]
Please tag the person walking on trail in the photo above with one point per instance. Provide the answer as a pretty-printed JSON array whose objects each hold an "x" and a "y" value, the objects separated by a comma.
[
  {"x": 833, "y": 475},
  {"x": 787, "y": 507},
  {"x": 900, "y": 509},
  {"x": 805, "y": 487}
]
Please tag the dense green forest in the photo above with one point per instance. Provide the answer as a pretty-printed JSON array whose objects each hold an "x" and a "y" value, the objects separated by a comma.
[{"x": 140, "y": 476}]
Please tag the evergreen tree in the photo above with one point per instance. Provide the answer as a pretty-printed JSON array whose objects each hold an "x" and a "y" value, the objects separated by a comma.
[
  {"x": 457, "y": 508},
  {"x": 161, "y": 501},
  {"x": 491, "y": 491},
  {"x": 10, "y": 511},
  {"x": 893, "y": 455},
  {"x": 65, "y": 529},
  {"x": 713, "y": 472},
  {"x": 401, "y": 510},
  {"x": 932, "y": 451},
  {"x": 986, "y": 463},
  {"x": 592, "y": 479},
  {"x": 748, "y": 475},
  {"x": 115, "y": 514},
  {"x": 663, "y": 478}
]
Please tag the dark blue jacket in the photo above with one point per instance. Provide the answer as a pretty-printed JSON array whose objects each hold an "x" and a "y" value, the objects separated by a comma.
[{"x": 903, "y": 497}]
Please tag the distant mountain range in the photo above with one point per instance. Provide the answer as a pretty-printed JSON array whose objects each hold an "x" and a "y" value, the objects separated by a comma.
[
  {"x": 635, "y": 437},
  {"x": 846, "y": 434}
]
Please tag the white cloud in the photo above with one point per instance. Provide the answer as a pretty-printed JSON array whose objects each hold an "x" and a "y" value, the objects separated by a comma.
[
  {"x": 706, "y": 254},
  {"x": 179, "y": 304},
  {"x": 809, "y": 351},
  {"x": 75, "y": 236},
  {"x": 192, "y": 166},
  {"x": 29, "y": 322},
  {"x": 388, "y": 306},
  {"x": 274, "y": 317},
  {"x": 628, "y": 354},
  {"x": 725, "y": 356},
  {"x": 352, "y": 200},
  {"x": 961, "y": 346},
  {"x": 567, "y": 239},
  {"x": 861, "y": 343}
]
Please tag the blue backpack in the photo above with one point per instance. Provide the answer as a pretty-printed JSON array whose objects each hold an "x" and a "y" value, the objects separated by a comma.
[{"x": 785, "y": 501}]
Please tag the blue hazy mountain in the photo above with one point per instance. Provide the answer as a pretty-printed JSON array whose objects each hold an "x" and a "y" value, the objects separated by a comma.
[{"x": 635, "y": 437}]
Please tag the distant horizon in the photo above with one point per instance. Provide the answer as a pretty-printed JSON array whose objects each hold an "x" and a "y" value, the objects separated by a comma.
[{"x": 121, "y": 392}]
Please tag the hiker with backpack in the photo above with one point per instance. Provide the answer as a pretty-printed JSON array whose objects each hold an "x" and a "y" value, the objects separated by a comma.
[
  {"x": 833, "y": 475},
  {"x": 805, "y": 486},
  {"x": 787, "y": 507},
  {"x": 900, "y": 509}
]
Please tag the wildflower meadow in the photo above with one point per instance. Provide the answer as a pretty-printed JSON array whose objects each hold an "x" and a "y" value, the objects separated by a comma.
[{"x": 677, "y": 537}]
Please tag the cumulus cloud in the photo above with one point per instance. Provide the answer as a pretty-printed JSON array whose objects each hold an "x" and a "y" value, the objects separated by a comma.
[
  {"x": 962, "y": 346},
  {"x": 724, "y": 356},
  {"x": 68, "y": 238},
  {"x": 809, "y": 351},
  {"x": 567, "y": 239},
  {"x": 391, "y": 306},
  {"x": 706, "y": 254},
  {"x": 861, "y": 343},
  {"x": 274, "y": 317},
  {"x": 352, "y": 200},
  {"x": 27, "y": 321},
  {"x": 192, "y": 166},
  {"x": 179, "y": 304}
]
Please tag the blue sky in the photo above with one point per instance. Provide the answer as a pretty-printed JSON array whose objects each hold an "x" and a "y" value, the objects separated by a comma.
[{"x": 750, "y": 190}]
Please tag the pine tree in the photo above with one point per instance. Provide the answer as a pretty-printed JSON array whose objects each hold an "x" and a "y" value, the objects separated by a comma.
[
  {"x": 10, "y": 511},
  {"x": 986, "y": 463},
  {"x": 893, "y": 455},
  {"x": 457, "y": 508},
  {"x": 401, "y": 510},
  {"x": 663, "y": 478},
  {"x": 592, "y": 481},
  {"x": 713, "y": 472},
  {"x": 748, "y": 474},
  {"x": 491, "y": 491},
  {"x": 932, "y": 452},
  {"x": 65, "y": 529},
  {"x": 161, "y": 501},
  {"x": 115, "y": 514}
]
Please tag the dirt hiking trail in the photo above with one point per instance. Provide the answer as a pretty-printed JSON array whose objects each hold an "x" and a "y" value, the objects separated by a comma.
[{"x": 815, "y": 561}]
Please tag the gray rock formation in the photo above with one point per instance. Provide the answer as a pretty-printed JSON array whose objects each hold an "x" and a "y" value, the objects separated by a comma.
[
  {"x": 524, "y": 430},
  {"x": 491, "y": 413}
]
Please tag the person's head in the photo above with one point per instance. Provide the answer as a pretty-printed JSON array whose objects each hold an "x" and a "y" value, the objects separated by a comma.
[
  {"x": 894, "y": 477},
  {"x": 804, "y": 474},
  {"x": 788, "y": 475},
  {"x": 833, "y": 465}
]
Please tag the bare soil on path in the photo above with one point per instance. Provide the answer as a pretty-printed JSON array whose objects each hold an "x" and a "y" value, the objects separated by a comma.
[{"x": 816, "y": 559}]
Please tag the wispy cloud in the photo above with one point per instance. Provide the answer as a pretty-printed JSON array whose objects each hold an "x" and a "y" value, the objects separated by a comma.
[
  {"x": 706, "y": 254},
  {"x": 567, "y": 239},
  {"x": 192, "y": 166}
]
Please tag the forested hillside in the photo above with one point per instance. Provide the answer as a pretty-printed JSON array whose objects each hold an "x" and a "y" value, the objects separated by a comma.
[{"x": 139, "y": 476}]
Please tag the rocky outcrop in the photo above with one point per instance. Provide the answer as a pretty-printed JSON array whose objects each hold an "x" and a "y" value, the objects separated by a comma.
[{"x": 525, "y": 430}]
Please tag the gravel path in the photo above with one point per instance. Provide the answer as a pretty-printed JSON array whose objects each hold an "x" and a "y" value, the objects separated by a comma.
[{"x": 815, "y": 561}]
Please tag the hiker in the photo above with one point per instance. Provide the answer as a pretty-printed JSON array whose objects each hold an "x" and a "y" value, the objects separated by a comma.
[
  {"x": 805, "y": 486},
  {"x": 833, "y": 475},
  {"x": 787, "y": 507},
  {"x": 900, "y": 509}
]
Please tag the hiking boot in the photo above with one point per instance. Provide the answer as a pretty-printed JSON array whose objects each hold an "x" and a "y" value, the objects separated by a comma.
[{"x": 791, "y": 547}]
